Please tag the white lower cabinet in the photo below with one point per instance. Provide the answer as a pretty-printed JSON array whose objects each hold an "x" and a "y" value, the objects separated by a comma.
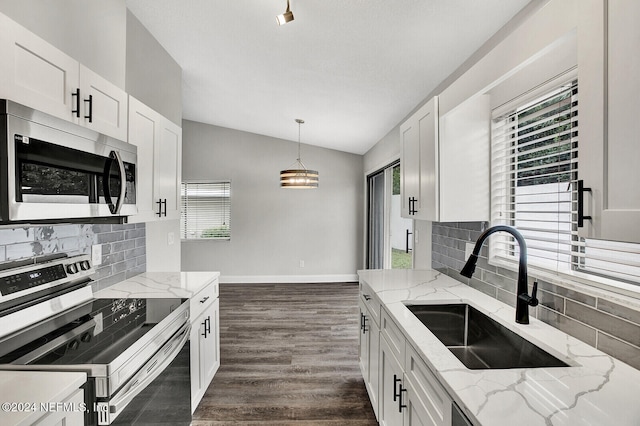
[
  {"x": 407, "y": 393},
  {"x": 369, "y": 350},
  {"x": 62, "y": 417},
  {"x": 393, "y": 396},
  {"x": 204, "y": 341}
]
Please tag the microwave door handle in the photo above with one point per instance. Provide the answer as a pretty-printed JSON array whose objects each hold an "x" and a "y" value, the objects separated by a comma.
[
  {"x": 150, "y": 371},
  {"x": 115, "y": 209}
]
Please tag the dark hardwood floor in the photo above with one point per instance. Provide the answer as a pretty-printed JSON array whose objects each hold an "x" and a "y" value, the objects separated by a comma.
[{"x": 289, "y": 356}]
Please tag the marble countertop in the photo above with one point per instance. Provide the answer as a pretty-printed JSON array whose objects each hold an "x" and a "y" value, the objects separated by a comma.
[
  {"x": 596, "y": 390},
  {"x": 159, "y": 284},
  {"x": 34, "y": 387}
]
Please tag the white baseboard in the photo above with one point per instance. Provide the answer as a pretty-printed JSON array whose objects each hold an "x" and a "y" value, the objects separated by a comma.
[{"x": 270, "y": 279}]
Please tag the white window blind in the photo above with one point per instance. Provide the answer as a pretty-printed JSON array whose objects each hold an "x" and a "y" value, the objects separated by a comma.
[
  {"x": 534, "y": 163},
  {"x": 534, "y": 174},
  {"x": 205, "y": 210}
]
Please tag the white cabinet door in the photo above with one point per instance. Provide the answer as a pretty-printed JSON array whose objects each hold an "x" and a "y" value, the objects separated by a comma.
[
  {"x": 409, "y": 168},
  {"x": 369, "y": 353},
  {"x": 419, "y": 163},
  {"x": 609, "y": 97},
  {"x": 212, "y": 344},
  {"x": 196, "y": 342},
  {"x": 103, "y": 104},
  {"x": 392, "y": 394},
  {"x": 63, "y": 417},
  {"x": 168, "y": 169},
  {"x": 143, "y": 131},
  {"x": 204, "y": 341},
  {"x": 159, "y": 143},
  {"x": 416, "y": 414},
  {"x": 36, "y": 74}
]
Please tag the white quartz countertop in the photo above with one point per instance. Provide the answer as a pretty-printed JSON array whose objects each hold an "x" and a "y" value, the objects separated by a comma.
[
  {"x": 159, "y": 284},
  {"x": 23, "y": 392},
  {"x": 596, "y": 390}
]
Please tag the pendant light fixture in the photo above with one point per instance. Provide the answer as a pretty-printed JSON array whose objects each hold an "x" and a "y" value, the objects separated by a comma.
[
  {"x": 286, "y": 17},
  {"x": 298, "y": 176}
]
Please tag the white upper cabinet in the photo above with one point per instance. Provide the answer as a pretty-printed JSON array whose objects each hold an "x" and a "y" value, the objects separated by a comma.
[
  {"x": 444, "y": 162},
  {"x": 103, "y": 105},
  {"x": 608, "y": 63},
  {"x": 36, "y": 74},
  {"x": 159, "y": 143},
  {"x": 419, "y": 163},
  {"x": 168, "y": 169}
]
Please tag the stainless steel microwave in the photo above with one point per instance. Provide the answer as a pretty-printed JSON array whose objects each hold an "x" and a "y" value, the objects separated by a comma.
[{"x": 52, "y": 170}]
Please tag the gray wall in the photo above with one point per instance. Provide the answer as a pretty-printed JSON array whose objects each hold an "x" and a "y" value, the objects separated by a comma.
[
  {"x": 92, "y": 32},
  {"x": 123, "y": 247},
  {"x": 614, "y": 328},
  {"x": 153, "y": 76},
  {"x": 272, "y": 229}
]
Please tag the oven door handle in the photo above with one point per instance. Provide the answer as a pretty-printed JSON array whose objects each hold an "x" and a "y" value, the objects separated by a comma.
[
  {"x": 106, "y": 183},
  {"x": 108, "y": 411}
]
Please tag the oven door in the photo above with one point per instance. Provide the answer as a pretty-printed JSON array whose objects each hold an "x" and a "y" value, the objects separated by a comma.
[
  {"x": 54, "y": 174},
  {"x": 157, "y": 393}
]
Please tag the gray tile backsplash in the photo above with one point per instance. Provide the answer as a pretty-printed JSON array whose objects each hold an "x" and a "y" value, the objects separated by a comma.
[
  {"x": 609, "y": 326},
  {"x": 123, "y": 247}
]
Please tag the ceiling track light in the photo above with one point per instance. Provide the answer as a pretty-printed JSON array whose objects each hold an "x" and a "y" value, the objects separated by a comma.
[
  {"x": 298, "y": 176},
  {"x": 287, "y": 16}
]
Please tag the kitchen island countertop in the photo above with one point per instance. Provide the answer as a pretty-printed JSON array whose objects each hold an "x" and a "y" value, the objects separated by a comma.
[
  {"x": 159, "y": 284},
  {"x": 597, "y": 389}
]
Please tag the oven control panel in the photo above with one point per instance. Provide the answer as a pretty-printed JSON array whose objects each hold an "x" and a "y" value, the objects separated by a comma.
[
  {"x": 26, "y": 275},
  {"x": 25, "y": 280}
]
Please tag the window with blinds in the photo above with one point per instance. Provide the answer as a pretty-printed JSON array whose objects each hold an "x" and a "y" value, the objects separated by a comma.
[
  {"x": 534, "y": 174},
  {"x": 205, "y": 210}
]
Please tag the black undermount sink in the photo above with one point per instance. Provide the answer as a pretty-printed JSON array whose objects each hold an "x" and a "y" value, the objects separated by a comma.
[{"x": 478, "y": 341}]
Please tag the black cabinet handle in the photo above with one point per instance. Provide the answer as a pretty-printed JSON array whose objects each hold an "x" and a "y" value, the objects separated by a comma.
[
  {"x": 396, "y": 393},
  {"x": 207, "y": 327},
  {"x": 204, "y": 299},
  {"x": 90, "y": 116},
  {"x": 400, "y": 404},
  {"x": 581, "y": 191},
  {"x": 407, "y": 250},
  {"x": 161, "y": 203},
  {"x": 77, "y": 102},
  {"x": 364, "y": 324},
  {"x": 412, "y": 205},
  {"x": 366, "y": 297}
]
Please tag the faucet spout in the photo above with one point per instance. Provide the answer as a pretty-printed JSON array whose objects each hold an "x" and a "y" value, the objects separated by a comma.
[{"x": 523, "y": 300}]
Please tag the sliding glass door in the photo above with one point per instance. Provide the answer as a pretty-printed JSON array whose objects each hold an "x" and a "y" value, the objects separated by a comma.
[{"x": 389, "y": 234}]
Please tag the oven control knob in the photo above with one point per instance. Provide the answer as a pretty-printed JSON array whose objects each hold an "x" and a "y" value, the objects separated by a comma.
[
  {"x": 73, "y": 345},
  {"x": 86, "y": 337},
  {"x": 84, "y": 265},
  {"x": 72, "y": 268}
]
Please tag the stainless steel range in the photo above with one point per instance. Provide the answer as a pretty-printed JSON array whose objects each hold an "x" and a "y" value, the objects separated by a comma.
[{"x": 50, "y": 321}]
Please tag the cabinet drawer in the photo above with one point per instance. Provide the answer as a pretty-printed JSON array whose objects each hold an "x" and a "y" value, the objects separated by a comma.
[
  {"x": 371, "y": 301},
  {"x": 394, "y": 336},
  {"x": 202, "y": 299},
  {"x": 427, "y": 388}
]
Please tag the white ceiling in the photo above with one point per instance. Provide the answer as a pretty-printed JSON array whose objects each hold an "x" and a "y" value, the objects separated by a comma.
[{"x": 351, "y": 69}]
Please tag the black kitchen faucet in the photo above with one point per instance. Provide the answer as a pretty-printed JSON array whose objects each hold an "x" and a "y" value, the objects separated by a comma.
[{"x": 523, "y": 300}]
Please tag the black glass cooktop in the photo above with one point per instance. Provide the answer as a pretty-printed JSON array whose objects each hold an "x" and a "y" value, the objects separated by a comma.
[{"x": 94, "y": 333}]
